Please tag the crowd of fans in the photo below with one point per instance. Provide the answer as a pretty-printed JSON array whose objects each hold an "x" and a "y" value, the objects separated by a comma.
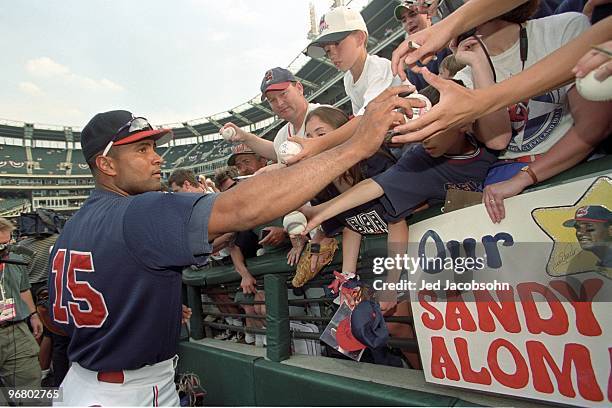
[{"x": 499, "y": 154}]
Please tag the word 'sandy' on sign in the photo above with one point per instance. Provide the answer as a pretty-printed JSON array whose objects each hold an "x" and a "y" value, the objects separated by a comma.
[{"x": 548, "y": 336}]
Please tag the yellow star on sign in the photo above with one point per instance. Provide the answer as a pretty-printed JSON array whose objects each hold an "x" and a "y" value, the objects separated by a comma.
[{"x": 562, "y": 224}]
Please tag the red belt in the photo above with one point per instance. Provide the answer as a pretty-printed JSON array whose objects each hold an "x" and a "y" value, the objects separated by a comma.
[
  {"x": 115, "y": 377},
  {"x": 526, "y": 159}
]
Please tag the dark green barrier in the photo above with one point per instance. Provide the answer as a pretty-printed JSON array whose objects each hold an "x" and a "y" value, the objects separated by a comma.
[
  {"x": 277, "y": 318},
  {"x": 226, "y": 376},
  {"x": 320, "y": 389}
]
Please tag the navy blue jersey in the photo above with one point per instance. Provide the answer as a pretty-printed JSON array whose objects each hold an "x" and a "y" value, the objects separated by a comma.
[
  {"x": 115, "y": 280},
  {"x": 419, "y": 178}
]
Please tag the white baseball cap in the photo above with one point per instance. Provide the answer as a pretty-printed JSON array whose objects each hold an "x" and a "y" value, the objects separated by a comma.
[{"x": 335, "y": 26}]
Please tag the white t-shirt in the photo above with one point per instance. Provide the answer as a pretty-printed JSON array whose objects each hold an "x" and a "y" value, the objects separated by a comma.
[
  {"x": 375, "y": 78},
  {"x": 288, "y": 130},
  {"x": 537, "y": 123}
]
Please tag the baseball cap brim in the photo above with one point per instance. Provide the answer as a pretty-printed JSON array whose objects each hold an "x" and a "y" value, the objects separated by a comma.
[
  {"x": 161, "y": 137},
  {"x": 398, "y": 12},
  {"x": 572, "y": 223},
  {"x": 275, "y": 87},
  {"x": 316, "y": 50}
]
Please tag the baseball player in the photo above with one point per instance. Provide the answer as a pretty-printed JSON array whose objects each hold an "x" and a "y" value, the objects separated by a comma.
[{"x": 115, "y": 281}]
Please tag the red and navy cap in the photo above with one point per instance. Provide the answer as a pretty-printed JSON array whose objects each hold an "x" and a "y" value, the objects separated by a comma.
[
  {"x": 276, "y": 79},
  {"x": 111, "y": 126},
  {"x": 589, "y": 213}
]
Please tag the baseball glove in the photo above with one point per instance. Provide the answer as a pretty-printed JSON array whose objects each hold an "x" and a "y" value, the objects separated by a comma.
[{"x": 314, "y": 258}]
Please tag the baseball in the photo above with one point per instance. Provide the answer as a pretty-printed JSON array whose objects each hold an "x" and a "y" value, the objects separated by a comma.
[
  {"x": 288, "y": 149},
  {"x": 593, "y": 90},
  {"x": 228, "y": 133},
  {"x": 294, "y": 223}
]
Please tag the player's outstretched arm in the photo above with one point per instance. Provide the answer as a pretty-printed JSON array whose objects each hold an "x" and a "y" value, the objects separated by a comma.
[
  {"x": 436, "y": 37},
  {"x": 271, "y": 195},
  {"x": 313, "y": 146},
  {"x": 459, "y": 106}
]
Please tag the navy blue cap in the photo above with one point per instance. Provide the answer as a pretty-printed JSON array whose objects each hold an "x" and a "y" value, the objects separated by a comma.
[
  {"x": 276, "y": 79},
  {"x": 104, "y": 127},
  {"x": 590, "y": 213},
  {"x": 368, "y": 325}
]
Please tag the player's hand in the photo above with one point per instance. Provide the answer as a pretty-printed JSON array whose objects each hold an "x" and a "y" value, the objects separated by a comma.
[
  {"x": 310, "y": 147},
  {"x": 458, "y": 106},
  {"x": 429, "y": 42},
  {"x": 494, "y": 195},
  {"x": 380, "y": 115},
  {"x": 269, "y": 168},
  {"x": 248, "y": 284},
  {"x": 239, "y": 137},
  {"x": 276, "y": 236},
  {"x": 595, "y": 60},
  {"x": 186, "y": 314},
  {"x": 37, "y": 326}
]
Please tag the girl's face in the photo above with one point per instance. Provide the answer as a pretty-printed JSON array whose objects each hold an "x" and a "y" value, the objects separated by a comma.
[{"x": 315, "y": 127}]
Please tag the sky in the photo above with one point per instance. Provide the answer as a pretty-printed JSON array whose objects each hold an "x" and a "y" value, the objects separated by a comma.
[{"x": 170, "y": 61}]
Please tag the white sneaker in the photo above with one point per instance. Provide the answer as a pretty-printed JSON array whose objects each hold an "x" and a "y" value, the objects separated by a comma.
[
  {"x": 249, "y": 338},
  {"x": 261, "y": 340}
]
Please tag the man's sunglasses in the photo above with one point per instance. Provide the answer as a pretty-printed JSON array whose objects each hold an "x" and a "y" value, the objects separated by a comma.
[{"x": 137, "y": 124}]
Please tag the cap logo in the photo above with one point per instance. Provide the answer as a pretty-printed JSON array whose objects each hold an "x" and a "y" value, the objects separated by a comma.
[
  {"x": 323, "y": 25},
  {"x": 582, "y": 211},
  {"x": 268, "y": 77}
]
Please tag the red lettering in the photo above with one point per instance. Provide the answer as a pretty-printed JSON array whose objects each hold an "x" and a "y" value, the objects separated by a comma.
[
  {"x": 557, "y": 324},
  {"x": 437, "y": 321},
  {"x": 586, "y": 323},
  {"x": 573, "y": 354},
  {"x": 60, "y": 312},
  {"x": 504, "y": 311},
  {"x": 458, "y": 316},
  {"x": 442, "y": 364},
  {"x": 96, "y": 313},
  {"x": 467, "y": 373},
  {"x": 520, "y": 378}
]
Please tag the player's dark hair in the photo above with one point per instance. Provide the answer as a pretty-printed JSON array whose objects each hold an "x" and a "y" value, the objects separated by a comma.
[{"x": 180, "y": 176}]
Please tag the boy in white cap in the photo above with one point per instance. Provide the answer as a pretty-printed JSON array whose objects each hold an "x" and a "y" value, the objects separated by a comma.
[{"x": 343, "y": 38}]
